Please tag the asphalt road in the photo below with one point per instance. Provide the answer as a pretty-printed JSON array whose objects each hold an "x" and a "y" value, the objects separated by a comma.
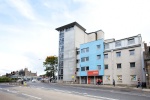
[{"x": 52, "y": 91}]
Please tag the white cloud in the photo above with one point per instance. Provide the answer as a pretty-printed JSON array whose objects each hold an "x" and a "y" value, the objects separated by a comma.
[{"x": 24, "y": 8}]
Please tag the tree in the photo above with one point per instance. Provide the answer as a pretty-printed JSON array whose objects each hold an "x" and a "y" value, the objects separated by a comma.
[{"x": 51, "y": 65}]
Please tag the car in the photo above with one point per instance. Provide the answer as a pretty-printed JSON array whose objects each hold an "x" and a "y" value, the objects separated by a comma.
[{"x": 34, "y": 80}]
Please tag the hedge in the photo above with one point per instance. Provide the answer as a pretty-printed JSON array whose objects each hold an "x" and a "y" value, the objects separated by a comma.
[{"x": 5, "y": 79}]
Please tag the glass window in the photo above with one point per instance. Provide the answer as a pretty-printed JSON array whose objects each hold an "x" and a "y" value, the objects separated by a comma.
[
  {"x": 82, "y": 68},
  {"x": 107, "y": 77},
  {"x": 105, "y": 55},
  {"x": 131, "y": 41},
  {"x": 132, "y": 64},
  {"x": 118, "y": 43},
  {"x": 131, "y": 52},
  {"x": 118, "y": 54},
  {"x": 106, "y": 46},
  {"x": 133, "y": 77},
  {"x": 118, "y": 66},
  {"x": 106, "y": 66},
  {"x": 87, "y": 68},
  {"x": 77, "y": 69},
  {"x": 119, "y": 77},
  {"x": 98, "y": 56},
  {"x": 87, "y": 58},
  {"x": 98, "y": 46},
  {"x": 99, "y": 67},
  {"x": 85, "y": 50}
]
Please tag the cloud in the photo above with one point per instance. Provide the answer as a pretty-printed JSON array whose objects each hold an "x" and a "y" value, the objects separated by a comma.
[{"x": 24, "y": 8}]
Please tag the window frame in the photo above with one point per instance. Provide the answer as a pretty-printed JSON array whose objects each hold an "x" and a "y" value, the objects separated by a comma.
[
  {"x": 131, "y": 41},
  {"x": 131, "y": 64},
  {"x": 98, "y": 57},
  {"x": 105, "y": 66},
  {"x": 118, "y": 54},
  {"x": 106, "y": 57},
  {"x": 117, "y": 43},
  {"x": 130, "y": 51},
  {"x": 119, "y": 67}
]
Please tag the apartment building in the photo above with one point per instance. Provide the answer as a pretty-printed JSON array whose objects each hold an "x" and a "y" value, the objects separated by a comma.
[
  {"x": 91, "y": 62},
  {"x": 123, "y": 61},
  {"x": 70, "y": 38},
  {"x": 85, "y": 57}
]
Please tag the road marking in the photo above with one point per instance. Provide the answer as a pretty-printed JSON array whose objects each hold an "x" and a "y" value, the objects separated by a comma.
[
  {"x": 99, "y": 97},
  {"x": 30, "y": 96}
]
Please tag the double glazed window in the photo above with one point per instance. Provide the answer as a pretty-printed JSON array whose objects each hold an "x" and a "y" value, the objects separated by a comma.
[
  {"x": 131, "y": 52},
  {"x": 118, "y": 66},
  {"x": 118, "y": 54},
  {"x": 105, "y": 55},
  {"x": 106, "y": 46},
  {"x": 118, "y": 43},
  {"x": 98, "y": 56},
  {"x": 131, "y": 41},
  {"x": 84, "y": 50},
  {"x": 132, "y": 64},
  {"x": 106, "y": 66},
  {"x": 84, "y": 59},
  {"x": 98, "y": 46},
  {"x": 86, "y": 68}
]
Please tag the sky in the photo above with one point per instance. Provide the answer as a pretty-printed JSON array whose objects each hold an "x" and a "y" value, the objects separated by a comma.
[{"x": 27, "y": 27}]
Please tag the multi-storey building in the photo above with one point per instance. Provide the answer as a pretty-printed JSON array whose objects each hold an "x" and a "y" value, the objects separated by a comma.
[
  {"x": 91, "y": 62},
  {"x": 123, "y": 60},
  {"x": 85, "y": 57},
  {"x": 70, "y": 38}
]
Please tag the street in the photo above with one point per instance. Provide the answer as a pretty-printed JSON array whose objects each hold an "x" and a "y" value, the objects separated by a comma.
[{"x": 53, "y": 91}]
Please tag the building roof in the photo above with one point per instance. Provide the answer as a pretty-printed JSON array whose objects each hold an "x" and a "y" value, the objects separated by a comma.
[{"x": 70, "y": 25}]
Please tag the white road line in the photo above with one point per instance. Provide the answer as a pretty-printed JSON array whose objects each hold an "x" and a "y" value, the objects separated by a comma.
[
  {"x": 100, "y": 97},
  {"x": 30, "y": 96}
]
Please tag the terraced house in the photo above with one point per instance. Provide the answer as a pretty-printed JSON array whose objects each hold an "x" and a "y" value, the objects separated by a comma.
[{"x": 85, "y": 57}]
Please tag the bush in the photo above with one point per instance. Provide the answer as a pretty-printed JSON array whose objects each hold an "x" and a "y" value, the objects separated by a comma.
[{"x": 5, "y": 79}]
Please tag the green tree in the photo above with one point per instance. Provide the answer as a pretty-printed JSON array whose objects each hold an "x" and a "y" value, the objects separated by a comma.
[{"x": 50, "y": 65}]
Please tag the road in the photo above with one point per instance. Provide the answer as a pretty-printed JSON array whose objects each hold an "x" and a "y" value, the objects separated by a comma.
[{"x": 52, "y": 91}]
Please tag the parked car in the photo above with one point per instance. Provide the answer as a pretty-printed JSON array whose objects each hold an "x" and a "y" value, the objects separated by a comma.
[{"x": 34, "y": 80}]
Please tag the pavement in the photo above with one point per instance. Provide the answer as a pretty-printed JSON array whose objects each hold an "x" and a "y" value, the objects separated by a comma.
[{"x": 109, "y": 86}]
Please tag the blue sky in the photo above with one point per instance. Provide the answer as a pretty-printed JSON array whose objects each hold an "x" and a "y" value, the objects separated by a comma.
[{"x": 27, "y": 27}]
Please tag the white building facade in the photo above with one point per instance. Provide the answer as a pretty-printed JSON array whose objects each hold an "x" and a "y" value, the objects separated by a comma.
[{"x": 123, "y": 61}]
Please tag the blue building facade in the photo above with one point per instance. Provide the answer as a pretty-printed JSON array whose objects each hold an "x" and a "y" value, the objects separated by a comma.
[{"x": 91, "y": 61}]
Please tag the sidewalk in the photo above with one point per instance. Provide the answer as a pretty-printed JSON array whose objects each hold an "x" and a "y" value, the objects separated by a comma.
[{"x": 109, "y": 86}]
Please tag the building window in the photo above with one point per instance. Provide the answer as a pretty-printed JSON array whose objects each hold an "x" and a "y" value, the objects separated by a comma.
[
  {"x": 106, "y": 46},
  {"x": 118, "y": 54},
  {"x": 107, "y": 77},
  {"x": 105, "y": 55},
  {"x": 118, "y": 43},
  {"x": 77, "y": 61},
  {"x": 119, "y": 77},
  {"x": 78, "y": 52},
  {"x": 131, "y": 41},
  {"x": 132, "y": 64},
  {"x": 98, "y": 67},
  {"x": 118, "y": 66},
  {"x": 131, "y": 52},
  {"x": 87, "y": 68},
  {"x": 133, "y": 77},
  {"x": 98, "y": 47},
  {"x": 106, "y": 66},
  {"x": 77, "y": 69},
  {"x": 98, "y": 56},
  {"x": 84, "y": 50},
  {"x": 84, "y": 59},
  {"x": 82, "y": 68}
]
